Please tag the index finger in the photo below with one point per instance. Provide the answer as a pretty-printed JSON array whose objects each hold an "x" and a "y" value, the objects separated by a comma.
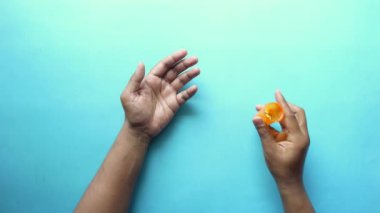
[
  {"x": 301, "y": 117},
  {"x": 167, "y": 63},
  {"x": 290, "y": 120}
]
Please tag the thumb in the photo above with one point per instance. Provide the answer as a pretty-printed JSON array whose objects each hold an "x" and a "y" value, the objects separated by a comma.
[
  {"x": 263, "y": 130},
  {"x": 136, "y": 78}
]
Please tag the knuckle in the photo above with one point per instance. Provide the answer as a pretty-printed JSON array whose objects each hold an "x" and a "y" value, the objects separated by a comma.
[
  {"x": 181, "y": 100},
  {"x": 187, "y": 94},
  {"x": 182, "y": 79},
  {"x": 182, "y": 66},
  {"x": 262, "y": 131},
  {"x": 170, "y": 75},
  {"x": 163, "y": 64},
  {"x": 186, "y": 76}
]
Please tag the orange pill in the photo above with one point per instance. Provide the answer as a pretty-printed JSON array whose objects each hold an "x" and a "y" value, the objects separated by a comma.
[{"x": 271, "y": 113}]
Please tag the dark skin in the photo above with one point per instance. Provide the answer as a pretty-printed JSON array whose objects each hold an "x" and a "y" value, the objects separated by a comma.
[
  {"x": 285, "y": 154},
  {"x": 150, "y": 102}
]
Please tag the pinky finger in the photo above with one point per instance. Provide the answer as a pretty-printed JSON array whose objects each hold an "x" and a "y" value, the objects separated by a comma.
[{"x": 185, "y": 95}]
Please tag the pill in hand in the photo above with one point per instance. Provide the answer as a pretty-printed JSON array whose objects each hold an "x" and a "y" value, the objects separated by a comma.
[{"x": 271, "y": 113}]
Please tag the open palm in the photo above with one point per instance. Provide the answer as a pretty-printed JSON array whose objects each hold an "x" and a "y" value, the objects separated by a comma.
[{"x": 151, "y": 101}]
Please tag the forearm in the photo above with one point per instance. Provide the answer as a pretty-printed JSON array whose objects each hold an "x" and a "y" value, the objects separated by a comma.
[
  {"x": 111, "y": 189},
  {"x": 294, "y": 197}
]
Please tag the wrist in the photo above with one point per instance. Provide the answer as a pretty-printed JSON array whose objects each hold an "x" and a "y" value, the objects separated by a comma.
[
  {"x": 289, "y": 183},
  {"x": 288, "y": 180},
  {"x": 294, "y": 196},
  {"x": 136, "y": 134},
  {"x": 290, "y": 186}
]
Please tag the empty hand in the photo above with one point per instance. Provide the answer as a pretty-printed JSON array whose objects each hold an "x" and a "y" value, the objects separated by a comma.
[{"x": 150, "y": 101}]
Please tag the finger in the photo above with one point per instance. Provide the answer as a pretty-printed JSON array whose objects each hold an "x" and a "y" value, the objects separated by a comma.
[
  {"x": 180, "y": 67},
  {"x": 282, "y": 136},
  {"x": 273, "y": 131},
  {"x": 279, "y": 136},
  {"x": 185, "y": 95},
  {"x": 259, "y": 107},
  {"x": 289, "y": 122},
  {"x": 183, "y": 79},
  {"x": 136, "y": 79},
  {"x": 167, "y": 63},
  {"x": 265, "y": 135},
  {"x": 301, "y": 117}
]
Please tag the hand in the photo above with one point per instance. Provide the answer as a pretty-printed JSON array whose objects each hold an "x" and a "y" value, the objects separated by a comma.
[
  {"x": 285, "y": 154},
  {"x": 151, "y": 101},
  {"x": 285, "y": 151}
]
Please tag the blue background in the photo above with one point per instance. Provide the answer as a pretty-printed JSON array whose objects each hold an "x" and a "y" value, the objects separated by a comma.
[{"x": 64, "y": 63}]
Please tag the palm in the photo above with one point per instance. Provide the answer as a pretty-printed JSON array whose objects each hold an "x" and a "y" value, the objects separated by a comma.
[
  {"x": 286, "y": 151},
  {"x": 160, "y": 101},
  {"x": 152, "y": 105}
]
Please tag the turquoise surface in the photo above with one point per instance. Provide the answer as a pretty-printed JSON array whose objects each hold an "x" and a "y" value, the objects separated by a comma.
[{"x": 64, "y": 63}]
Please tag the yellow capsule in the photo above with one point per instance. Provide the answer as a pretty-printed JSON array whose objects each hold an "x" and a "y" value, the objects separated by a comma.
[{"x": 271, "y": 113}]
